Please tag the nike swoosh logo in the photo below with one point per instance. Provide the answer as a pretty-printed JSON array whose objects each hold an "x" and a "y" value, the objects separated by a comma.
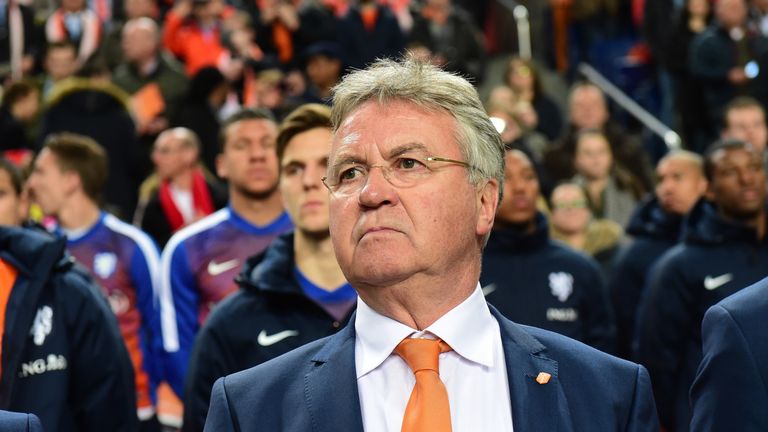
[
  {"x": 266, "y": 340},
  {"x": 712, "y": 283},
  {"x": 488, "y": 289},
  {"x": 215, "y": 269}
]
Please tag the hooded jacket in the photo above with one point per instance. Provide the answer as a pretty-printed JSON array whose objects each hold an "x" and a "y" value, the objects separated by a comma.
[
  {"x": 63, "y": 358},
  {"x": 717, "y": 258},
  {"x": 535, "y": 281},
  {"x": 654, "y": 232},
  {"x": 269, "y": 316}
]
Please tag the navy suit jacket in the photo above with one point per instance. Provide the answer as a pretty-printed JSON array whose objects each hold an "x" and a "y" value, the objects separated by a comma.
[
  {"x": 731, "y": 387},
  {"x": 314, "y": 388},
  {"x": 18, "y": 422}
]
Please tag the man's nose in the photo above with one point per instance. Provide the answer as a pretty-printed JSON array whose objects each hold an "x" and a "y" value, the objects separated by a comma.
[{"x": 377, "y": 190}]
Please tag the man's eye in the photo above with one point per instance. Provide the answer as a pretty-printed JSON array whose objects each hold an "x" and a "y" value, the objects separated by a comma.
[
  {"x": 408, "y": 163},
  {"x": 350, "y": 174},
  {"x": 292, "y": 170}
]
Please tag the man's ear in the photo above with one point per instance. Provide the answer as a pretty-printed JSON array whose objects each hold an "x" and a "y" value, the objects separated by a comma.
[{"x": 488, "y": 202}]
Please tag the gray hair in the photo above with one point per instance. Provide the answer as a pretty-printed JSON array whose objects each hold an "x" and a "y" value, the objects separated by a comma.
[{"x": 431, "y": 88}]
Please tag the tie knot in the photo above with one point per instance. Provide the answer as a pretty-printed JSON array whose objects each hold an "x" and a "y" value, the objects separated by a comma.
[{"x": 421, "y": 354}]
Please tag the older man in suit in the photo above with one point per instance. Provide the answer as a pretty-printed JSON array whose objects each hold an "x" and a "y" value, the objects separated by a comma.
[
  {"x": 731, "y": 388},
  {"x": 415, "y": 174}
]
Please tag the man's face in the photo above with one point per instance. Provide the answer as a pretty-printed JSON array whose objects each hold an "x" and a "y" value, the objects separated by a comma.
[
  {"x": 593, "y": 157},
  {"x": 61, "y": 63},
  {"x": 249, "y": 159},
  {"x": 139, "y": 8},
  {"x": 521, "y": 189},
  {"x": 323, "y": 71},
  {"x": 72, "y": 5},
  {"x": 731, "y": 13},
  {"x": 748, "y": 124},
  {"x": 49, "y": 185},
  {"x": 384, "y": 234},
  {"x": 570, "y": 210},
  {"x": 587, "y": 108},
  {"x": 304, "y": 163},
  {"x": 679, "y": 185},
  {"x": 738, "y": 183},
  {"x": 139, "y": 43},
  {"x": 11, "y": 211},
  {"x": 172, "y": 156}
]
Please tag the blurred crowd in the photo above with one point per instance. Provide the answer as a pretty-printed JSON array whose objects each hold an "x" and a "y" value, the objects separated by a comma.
[{"x": 152, "y": 136}]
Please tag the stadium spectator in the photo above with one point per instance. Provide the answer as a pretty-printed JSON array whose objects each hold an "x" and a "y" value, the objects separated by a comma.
[
  {"x": 368, "y": 31},
  {"x": 724, "y": 249},
  {"x": 452, "y": 38},
  {"x": 18, "y": 44},
  {"x": 612, "y": 192},
  {"x": 181, "y": 194},
  {"x": 200, "y": 262},
  {"x": 723, "y": 58},
  {"x": 73, "y": 22},
  {"x": 94, "y": 107},
  {"x": 745, "y": 120},
  {"x": 156, "y": 81},
  {"x": 193, "y": 32},
  {"x": 554, "y": 287},
  {"x": 655, "y": 226},
  {"x": 572, "y": 222},
  {"x": 692, "y": 19},
  {"x": 522, "y": 76},
  {"x": 324, "y": 64},
  {"x": 60, "y": 63},
  {"x": 67, "y": 180},
  {"x": 199, "y": 111},
  {"x": 513, "y": 130},
  {"x": 588, "y": 109}
]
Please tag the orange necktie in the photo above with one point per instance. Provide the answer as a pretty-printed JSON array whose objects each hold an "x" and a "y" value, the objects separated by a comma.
[{"x": 428, "y": 409}]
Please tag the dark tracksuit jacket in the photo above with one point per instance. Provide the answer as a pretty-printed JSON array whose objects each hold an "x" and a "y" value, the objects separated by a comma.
[
  {"x": 63, "y": 358},
  {"x": 654, "y": 232},
  {"x": 267, "y": 317},
  {"x": 536, "y": 281},
  {"x": 717, "y": 258}
]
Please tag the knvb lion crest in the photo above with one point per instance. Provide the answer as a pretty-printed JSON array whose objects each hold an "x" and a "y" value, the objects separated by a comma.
[
  {"x": 42, "y": 325},
  {"x": 104, "y": 264},
  {"x": 561, "y": 285}
]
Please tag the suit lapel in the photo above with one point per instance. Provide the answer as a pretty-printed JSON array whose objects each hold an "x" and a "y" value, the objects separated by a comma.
[
  {"x": 535, "y": 407},
  {"x": 331, "y": 386}
]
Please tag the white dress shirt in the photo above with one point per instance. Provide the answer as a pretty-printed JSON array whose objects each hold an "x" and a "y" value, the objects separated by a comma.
[{"x": 474, "y": 373}]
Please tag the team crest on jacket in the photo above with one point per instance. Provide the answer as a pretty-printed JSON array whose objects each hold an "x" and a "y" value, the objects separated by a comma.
[
  {"x": 42, "y": 325},
  {"x": 561, "y": 285},
  {"x": 104, "y": 264}
]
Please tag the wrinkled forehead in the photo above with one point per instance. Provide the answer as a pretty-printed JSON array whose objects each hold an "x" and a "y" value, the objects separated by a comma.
[{"x": 384, "y": 130}]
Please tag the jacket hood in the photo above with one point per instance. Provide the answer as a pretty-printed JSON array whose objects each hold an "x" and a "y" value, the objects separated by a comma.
[
  {"x": 31, "y": 251},
  {"x": 272, "y": 269},
  {"x": 509, "y": 238},
  {"x": 82, "y": 96},
  {"x": 704, "y": 225},
  {"x": 651, "y": 221}
]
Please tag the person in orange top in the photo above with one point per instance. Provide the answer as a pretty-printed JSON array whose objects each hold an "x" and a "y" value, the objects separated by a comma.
[{"x": 193, "y": 31}]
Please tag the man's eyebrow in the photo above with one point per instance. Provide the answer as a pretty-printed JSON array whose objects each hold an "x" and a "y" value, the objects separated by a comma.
[
  {"x": 406, "y": 148},
  {"x": 347, "y": 160}
]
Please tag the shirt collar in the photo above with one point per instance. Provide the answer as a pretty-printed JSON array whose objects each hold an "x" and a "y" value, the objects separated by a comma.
[{"x": 467, "y": 328}]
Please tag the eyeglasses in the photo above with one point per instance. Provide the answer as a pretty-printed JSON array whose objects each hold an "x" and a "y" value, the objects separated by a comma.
[
  {"x": 403, "y": 172},
  {"x": 570, "y": 205}
]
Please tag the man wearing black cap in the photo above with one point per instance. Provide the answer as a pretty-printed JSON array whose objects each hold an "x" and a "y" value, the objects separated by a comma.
[{"x": 323, "y": 65}]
